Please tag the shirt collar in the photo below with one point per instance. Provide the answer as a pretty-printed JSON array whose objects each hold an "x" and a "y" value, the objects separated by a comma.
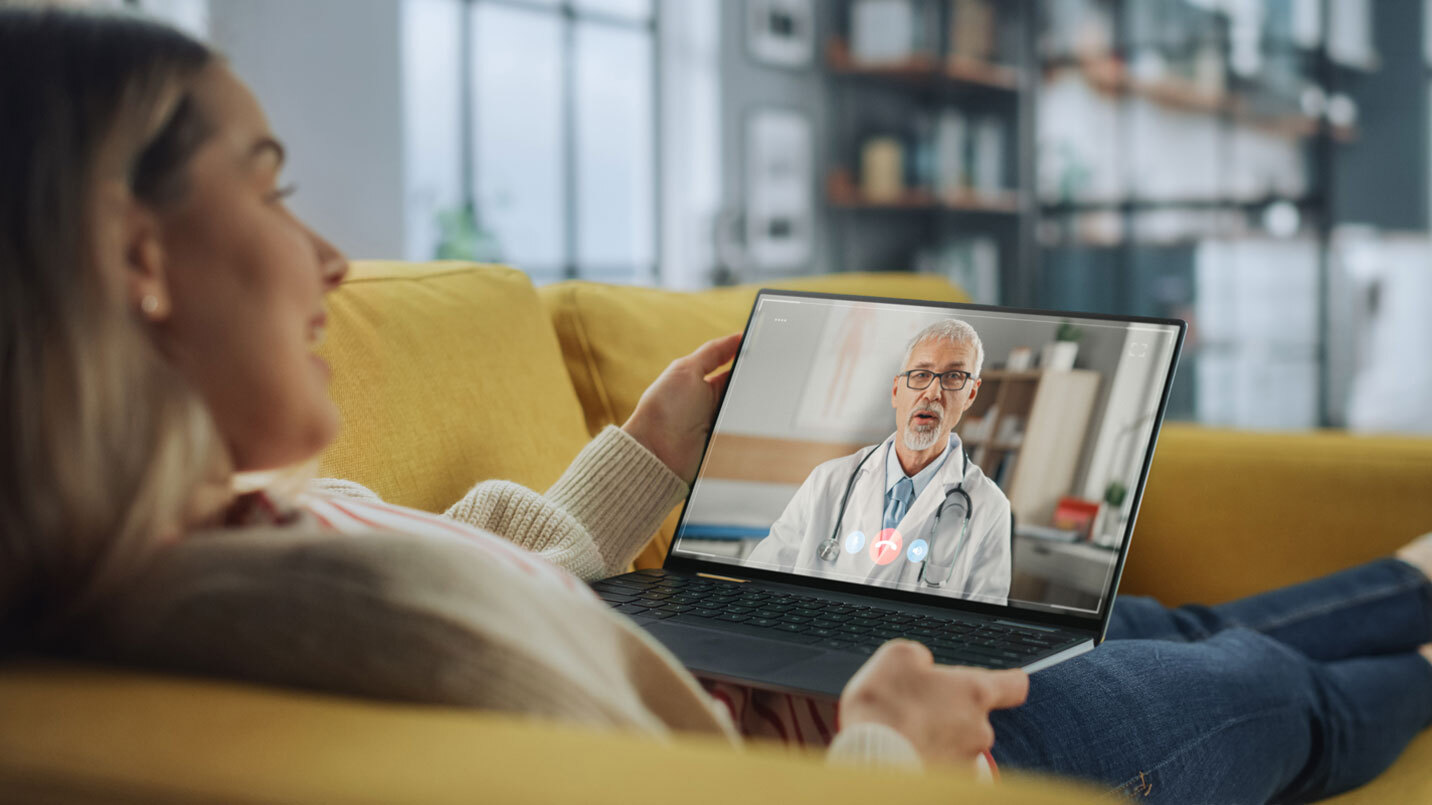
[{"x": 894, "y": 472}]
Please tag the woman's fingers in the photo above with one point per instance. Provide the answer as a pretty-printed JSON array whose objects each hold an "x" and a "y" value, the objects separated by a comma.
[
  {"x": 716, "y": 353},
  {"x": 719, "y": 380},
  {"x": 1006, "y": 688}
]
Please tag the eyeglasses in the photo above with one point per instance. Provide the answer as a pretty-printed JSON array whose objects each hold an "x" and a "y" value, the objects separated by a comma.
[{"x": 919, "y": 379}]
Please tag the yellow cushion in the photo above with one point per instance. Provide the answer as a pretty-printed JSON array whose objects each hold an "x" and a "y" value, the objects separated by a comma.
[
  {"x": 1231, "y": 513},
  {"x": 616, "y": 339},
  {"x": 1408, "y": 780},
  {"x": 446, "y": 374},
  {"x": 73, "y": 734}
]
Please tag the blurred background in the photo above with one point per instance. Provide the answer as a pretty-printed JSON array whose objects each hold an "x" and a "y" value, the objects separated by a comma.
[{"x": 1257, "y": 167}]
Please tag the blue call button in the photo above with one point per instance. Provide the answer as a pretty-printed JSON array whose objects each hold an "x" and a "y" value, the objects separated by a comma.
[
  {"x": 855, "y": 542},
  {"x": 917, "y": 551}
]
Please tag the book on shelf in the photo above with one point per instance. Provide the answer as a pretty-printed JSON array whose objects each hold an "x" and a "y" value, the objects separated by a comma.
[
  {"x": 977, "y": 429},
  {"x": 882, "y": 32},
  {"x": 1077, "y": 515},
  {"x": 969, "y": 262},
  {"x": 1004, "y": 468},
  {"x": 973, "y": 30},
  {"x": 988, "y": 168},
  {"x": 882, "y": 173},
  {"x": 951, "y": 153}
]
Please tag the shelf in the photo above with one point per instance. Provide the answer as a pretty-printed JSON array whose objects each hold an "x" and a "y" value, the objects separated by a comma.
[
  {"x": 1109, "y": 75},
  {"x": 1273, "y": 46},
  {"x": 841, "y": 192},
  {"x": 1015, "y": 374},
  {"x": 1149, "y": 205},
  {"x": 925, "y": 70}
]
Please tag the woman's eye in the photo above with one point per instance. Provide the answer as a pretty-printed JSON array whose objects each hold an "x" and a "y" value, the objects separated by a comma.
[{"x": 283, "y": 192}]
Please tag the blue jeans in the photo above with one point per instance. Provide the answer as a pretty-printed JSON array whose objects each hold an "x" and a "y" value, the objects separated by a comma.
[{"x": 1292, "y": 695}]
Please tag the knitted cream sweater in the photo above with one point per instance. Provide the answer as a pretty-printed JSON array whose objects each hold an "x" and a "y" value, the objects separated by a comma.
[{"x": 426, "y": 620}]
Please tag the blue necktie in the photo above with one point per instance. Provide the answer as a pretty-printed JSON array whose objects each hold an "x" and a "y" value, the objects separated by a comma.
[{"x": 899, "y": 502}]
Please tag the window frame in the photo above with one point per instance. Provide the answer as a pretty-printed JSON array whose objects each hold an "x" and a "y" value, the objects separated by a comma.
[{"x": 569, "y": 15}]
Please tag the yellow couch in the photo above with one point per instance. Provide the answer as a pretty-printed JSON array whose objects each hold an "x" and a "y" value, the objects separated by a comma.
[{"x": 448, "y": 373}]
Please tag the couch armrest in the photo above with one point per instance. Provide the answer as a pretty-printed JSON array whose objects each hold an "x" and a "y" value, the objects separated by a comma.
[{"x": 1230, "y": 513}]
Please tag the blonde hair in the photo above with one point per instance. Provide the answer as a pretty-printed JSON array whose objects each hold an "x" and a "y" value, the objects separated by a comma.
[
  {"x": 104, "y": 449},
  {"x": 954, "y": 331}
]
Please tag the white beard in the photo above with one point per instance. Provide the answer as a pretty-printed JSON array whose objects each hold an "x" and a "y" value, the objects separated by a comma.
[{"x": 921, "y": 440}]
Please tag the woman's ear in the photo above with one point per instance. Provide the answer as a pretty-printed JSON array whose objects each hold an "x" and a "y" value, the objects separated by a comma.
[{"x": 145, "y": 278}]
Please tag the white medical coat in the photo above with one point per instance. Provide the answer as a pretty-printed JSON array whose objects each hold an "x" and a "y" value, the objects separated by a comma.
[{"x": 982, "y": 564}]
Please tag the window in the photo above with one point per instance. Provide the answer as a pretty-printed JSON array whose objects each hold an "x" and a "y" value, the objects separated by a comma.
[{"x": 555, "y": 102}]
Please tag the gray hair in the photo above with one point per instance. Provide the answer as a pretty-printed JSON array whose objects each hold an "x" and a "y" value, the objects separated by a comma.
[{"x": 954, "y": 331}]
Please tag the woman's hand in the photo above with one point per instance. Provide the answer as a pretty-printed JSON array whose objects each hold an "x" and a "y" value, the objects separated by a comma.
[
  {"x": 943, "y": 711},
  {"x": 674, "y": 414}
]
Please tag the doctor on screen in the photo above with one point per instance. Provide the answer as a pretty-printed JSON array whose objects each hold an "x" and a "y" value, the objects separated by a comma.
[{"x": 913, "y": 511}]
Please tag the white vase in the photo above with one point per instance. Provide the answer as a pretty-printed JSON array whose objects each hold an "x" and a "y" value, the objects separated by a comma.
[{"x": 1058, "y": 356}]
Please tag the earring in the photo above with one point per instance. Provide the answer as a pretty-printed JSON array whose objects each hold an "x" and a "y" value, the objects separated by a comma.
[{"x": 149, "y": 304}]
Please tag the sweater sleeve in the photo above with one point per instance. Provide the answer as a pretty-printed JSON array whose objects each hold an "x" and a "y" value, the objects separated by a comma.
[
  {"x": 595, "y": 519},
  {"x": 591, "y": 523},
  {"x": 872, "y": 745}
]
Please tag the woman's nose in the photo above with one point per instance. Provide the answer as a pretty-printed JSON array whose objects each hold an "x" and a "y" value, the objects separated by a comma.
[{"x": 332, "y": 263}]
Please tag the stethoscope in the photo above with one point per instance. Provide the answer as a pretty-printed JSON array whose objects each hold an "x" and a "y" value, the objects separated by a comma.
[{"x": 930, "y": 574}]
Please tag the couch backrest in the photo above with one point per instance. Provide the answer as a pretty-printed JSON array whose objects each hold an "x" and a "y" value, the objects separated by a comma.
[
  {"x": 1231, "y": 513},
  {"x": 446, "y": 374},
  {"x": 449, "y": 373}
]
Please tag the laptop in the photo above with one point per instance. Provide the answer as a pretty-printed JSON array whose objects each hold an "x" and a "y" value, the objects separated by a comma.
[{"x": 1023, "y": 439}]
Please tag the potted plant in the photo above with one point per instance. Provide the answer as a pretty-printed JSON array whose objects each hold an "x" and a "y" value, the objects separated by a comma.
[
  {"x": 462, "y": 236},
  {"x": 1111, "y": 516},
  {"x": 1059, "y": 355}
]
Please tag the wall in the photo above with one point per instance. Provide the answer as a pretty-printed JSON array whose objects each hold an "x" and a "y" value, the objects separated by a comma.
[
  {"x": 329, "y": 74},
  {"x": 746, "y": 86},
  {"x": 1382, "y": 178},
  {"x": 691, "y": 136}
]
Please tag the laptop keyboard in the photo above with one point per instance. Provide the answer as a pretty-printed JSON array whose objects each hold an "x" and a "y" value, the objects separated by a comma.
[{"x": 795, "y": 618}]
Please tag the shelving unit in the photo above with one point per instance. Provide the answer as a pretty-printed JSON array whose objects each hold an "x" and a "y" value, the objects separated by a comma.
[
  {"x": 893, "y": 99},
  {"x": 1026, "y": 431},
  {"x": 1172, "y": 89},
  {"x": 1153, "y": 49}
]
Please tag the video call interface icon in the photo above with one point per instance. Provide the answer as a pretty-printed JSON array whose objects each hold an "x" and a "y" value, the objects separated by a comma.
[{"x": 886, "y": 547}]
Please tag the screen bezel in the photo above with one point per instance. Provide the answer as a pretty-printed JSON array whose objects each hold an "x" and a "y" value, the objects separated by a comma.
[{"x": 1073, "y": 620}]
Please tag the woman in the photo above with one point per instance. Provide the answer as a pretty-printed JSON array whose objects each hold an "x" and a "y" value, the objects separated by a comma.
[{"x": 160, "y": 309}]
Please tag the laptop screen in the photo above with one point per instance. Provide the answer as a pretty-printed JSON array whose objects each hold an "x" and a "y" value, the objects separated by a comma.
[{"x": 982, "y": 454}]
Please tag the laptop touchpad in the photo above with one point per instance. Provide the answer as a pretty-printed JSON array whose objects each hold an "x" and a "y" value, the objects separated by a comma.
[{"x": 709, "y": 649}]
